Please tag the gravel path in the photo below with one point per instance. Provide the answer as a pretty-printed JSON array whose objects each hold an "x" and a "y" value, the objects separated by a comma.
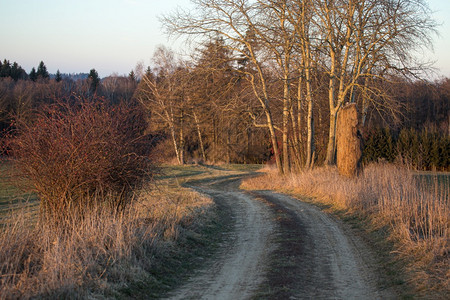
[{"x": 321, "y": 261}]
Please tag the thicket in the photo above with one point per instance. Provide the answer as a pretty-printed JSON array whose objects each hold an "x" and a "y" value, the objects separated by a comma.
[
  {"x": 421, "y": 150},
  {"x": 81, "y": 154}
]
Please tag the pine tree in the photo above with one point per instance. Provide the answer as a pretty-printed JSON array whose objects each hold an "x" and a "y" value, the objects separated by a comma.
[
  {"x": 94, "y": 79},
  {"x": 5, "y": 70},
  {"x": 58, "y": 76},
  {"x": 42, "y": 71},
  {"x": 369, "y": 152},
  {"x": 33, "y": 74},
  {"x": 436, "y": 151},
  {"x": 149, "y": 74},
  {"x": 132, "y": 76},
  {"x": 15, "y": 71},
  {"x": 425, "y": 149}
]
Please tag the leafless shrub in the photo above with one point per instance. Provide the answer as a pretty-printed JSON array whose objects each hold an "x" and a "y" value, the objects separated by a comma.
[{"x": 80, "y": 154}]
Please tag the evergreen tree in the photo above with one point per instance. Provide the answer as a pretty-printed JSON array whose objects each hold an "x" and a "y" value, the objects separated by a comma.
[
  {"x": 132, "y": 76},
  {"x": 33, "y": 74},
  {"x": 369, "y": 152},
  {"x": 94, "y": 79},
  {"x": 425, "y": 149},
  {"x": 436, "y": 151},
  {"x": 5, "y": 70},
  {"x": 149, "y": 74},
  {"x": 58, "y": 76},
  {"x": 42, "y": 71},
  {"x": 444, "y": 158},
  {"x": 15, "y": 72},
  {"x": 389, "y": 152}
]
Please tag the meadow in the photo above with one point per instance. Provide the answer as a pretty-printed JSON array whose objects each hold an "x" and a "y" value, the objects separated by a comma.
[{"x": 12, "y": 196}]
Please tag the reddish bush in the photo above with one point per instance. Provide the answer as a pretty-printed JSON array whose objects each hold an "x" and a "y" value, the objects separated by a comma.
[{"x": 79, "y": 154}]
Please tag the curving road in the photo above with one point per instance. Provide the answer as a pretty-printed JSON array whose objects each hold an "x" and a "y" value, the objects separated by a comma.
[{"x": 281, "y": 248}]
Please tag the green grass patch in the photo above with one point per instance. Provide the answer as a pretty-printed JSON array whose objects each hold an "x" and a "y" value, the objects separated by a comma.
[{"x": 12, "y": 197}]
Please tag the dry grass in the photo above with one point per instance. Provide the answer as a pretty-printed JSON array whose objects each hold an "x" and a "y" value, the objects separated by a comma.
[
  {"x": 101, "y": 255},
  {"x": 417, "y": 214}
]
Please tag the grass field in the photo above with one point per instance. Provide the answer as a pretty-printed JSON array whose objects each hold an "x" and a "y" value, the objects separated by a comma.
[{"x": 12, "y": 196}]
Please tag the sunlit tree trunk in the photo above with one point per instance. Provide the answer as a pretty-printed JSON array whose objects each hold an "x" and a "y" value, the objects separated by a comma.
[{"x": 200, "y": 139}]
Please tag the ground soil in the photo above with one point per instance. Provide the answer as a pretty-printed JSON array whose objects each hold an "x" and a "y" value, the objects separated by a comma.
[{"x": 282, "y": 248}]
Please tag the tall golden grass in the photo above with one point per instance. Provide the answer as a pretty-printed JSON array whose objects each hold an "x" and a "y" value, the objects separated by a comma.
[
  {"x": 100, "y": 254},
  {"x": 416, "y": 213}
]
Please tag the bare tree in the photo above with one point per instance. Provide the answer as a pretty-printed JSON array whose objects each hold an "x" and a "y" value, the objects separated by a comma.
[
  {"x": 162, "y": 96},
  {"x": 233, "y": 21},
  {"x": 364, "y": 39}
]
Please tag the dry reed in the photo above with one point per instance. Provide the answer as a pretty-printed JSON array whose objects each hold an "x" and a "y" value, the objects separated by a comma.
[
  {"x": 418, "y": 214},
  {"x": 101, "y": 254}
]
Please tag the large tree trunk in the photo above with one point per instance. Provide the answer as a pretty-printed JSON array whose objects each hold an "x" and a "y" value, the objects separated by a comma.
[{"x": 348, "y": 142}]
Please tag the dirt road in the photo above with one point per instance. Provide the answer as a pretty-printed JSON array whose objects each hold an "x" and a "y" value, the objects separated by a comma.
[{"x": 281, "y": 248}]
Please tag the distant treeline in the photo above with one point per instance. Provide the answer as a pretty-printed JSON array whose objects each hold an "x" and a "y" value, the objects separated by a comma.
[
  {"x": 16, "y": 72},
  {"x": 21, "y": 94}
]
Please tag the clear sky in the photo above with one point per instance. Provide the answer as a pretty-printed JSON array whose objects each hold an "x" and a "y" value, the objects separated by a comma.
[
  {"x": 78, "y": 35},
  {"x": 113, "y": 35}
]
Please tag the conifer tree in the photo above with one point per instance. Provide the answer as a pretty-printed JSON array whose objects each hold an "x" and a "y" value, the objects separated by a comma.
[
  {"x": 5, "y": 69},
  {"x": 58, "y": 76},
  {"x": 42, "y": 71},
  {"x": 94, "y": 80},
  {"x": 33, "y": 74},
  {"x": 132, "y": 76}
]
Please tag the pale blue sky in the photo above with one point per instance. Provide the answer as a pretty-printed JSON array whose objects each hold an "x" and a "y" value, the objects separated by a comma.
[
  {"x": 78, "y": 35},
  {"x": 113, "y": 35}
]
